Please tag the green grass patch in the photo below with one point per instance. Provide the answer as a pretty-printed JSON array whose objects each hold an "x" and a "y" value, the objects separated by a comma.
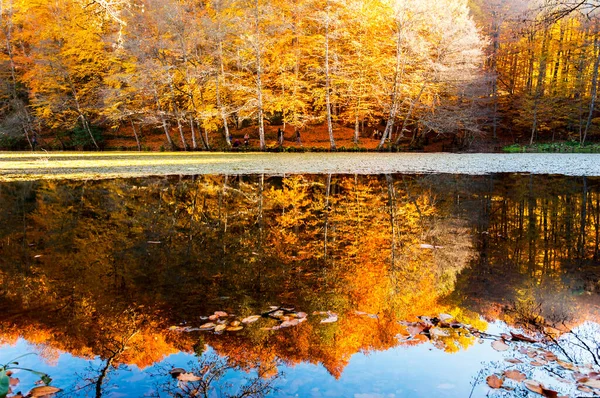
[{"x": 553, "y": 147}]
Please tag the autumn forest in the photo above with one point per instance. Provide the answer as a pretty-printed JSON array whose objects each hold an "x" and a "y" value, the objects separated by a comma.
[{"x": 377, "y": 74}]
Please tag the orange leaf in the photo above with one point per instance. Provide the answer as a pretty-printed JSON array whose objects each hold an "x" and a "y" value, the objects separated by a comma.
[{"x": 494, "y": 381}]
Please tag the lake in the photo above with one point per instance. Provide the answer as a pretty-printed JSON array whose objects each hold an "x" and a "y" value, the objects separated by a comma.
[{"x": 349, "y": 285}]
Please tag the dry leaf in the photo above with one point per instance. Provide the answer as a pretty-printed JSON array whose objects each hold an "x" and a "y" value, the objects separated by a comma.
[
  {"x": 565, "y": 365},
  {"x": 234, "y": 323},
  {"x": 445, "y": 317},
  {"x": 330, "y": 319},
  {"x": 207, "y": 326},
  {"x": 176, "y": 371},
  {"x": 251, "y": 318},
  {"x": 513, "y": 360},
  {"x": 43, "y": 391},
  {"x": 500, "y": 345},
  {"x": 221, "y": 314},
  {"x": 520, "y": 337},
  {"x": 188, "y": 377},
  {"x": 585, "y": 389},
  {"x": 13, "y": 381},
  {"x": 533, "y": 385},
  {"x": 234, "y": 328},
  {"x": 494, "y": 381},
  {"x": 593, "y": 383},
  {"x": 220, "y": 328},
  {"x": 301, "y": 314},
  {"x": 515, "y": 375}
]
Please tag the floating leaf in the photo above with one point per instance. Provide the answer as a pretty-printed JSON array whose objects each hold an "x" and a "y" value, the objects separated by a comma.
[
  {"x": 513, "y": 360},
  {"x": 207, "y": 326},
  {"x": 188, "y": 377},
  {"x": 500, "y": 345},
  {"x": 360, "y": 313},
  {"x": 520, "y": 337},
  {"x": 538, "y": 363},
  {"x": 220, "y": 328},
  {"x": 515, "y": 375},
  {"x": 213, "y": 317},
  {"x": 415, "y": 329},
  {"x": 220, "y": 314},
  {"x": 445, "y": 317},
  {"x": 585, "y": 389},
  {"x": 4, "y": 383},
  {"x": 234, "y": 328},
  {"x": 42, "y": 391},
  {"x": 593, "y": 383},
  {"x": 565, "y": 365},
  {"x": 533, "y": 385},
  {"x": 176, "y": 371},
  {"x": 301, "y": 314},
  {"x": 14, "y": 381},
  {"x": 330, "y": 319},
  {"x": 550, "y": 357},
  {"x": 494, "y": 381},
  {"x": 437, "y": 333},
  {"x": 234, "y": 323},
  {"x": 251, "y": 318},
  {"x": 287, "y": 324}
]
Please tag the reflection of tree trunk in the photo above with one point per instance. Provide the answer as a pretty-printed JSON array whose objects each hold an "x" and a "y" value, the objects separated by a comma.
[
  {"x": 392, "y": 211},
  {"x": 114, "y": 355},
  {"x": 325, "y": 235},
  {"x": 582, "y": 225}
]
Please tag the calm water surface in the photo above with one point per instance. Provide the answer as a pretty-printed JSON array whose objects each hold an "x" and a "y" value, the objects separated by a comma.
[{"x": 108, "y": 282}]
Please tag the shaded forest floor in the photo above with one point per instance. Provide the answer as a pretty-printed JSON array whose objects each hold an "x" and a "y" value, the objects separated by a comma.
[
  {"x": 312, "y": 138},
  {"x": 315, "y": 138}
]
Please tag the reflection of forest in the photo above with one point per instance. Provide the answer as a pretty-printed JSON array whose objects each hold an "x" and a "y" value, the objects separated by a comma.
[{"x": 104, "y": 268}]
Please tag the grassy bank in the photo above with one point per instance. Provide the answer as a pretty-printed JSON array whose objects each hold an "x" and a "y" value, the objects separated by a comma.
[{"x": 554, "y": 147}]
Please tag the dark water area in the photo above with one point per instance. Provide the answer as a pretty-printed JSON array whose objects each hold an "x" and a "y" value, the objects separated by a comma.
[{"x": 365, "y": 286}]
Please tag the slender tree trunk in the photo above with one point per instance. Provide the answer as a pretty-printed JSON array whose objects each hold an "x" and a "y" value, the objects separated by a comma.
[
  {"x": 259, "y": 94},
  {"x": 194, "y": 143},
  {"x": 594, "y": 91},
  {"x": 413, "y": 105},
  {"x": 539, "y": 89},
  {"x": 163, "y": 121},
  {"x": 137, "y": 139},
  {"x": 328, "y": 81},
  {"x": 222, "y": 111},
  {"x": 395, "y": 90}
]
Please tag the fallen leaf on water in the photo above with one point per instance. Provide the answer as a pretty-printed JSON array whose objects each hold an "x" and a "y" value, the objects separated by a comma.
[
  {"x": 188, "y": 377},
  {"x": 220, "y": 328},
  {"x": 550, "y": 357},
  {"x": 176, "y": 371},
  {"x": 43, "y": 391},
  {"x": 533, "y": 385},
  {"x": 234, "y": 328},
  {"x": 414, "y": 330},
  {"x": 538, "y": 363},
  {"x": 13, "y": 381},
  {"x": 513, "y": 360},
  {"x": 330, "y": 319},
  {"x": 287, "y": 324},
  {"x": 213, "y": 317},
  {"x": 565, "y": 365},
  {"x": 251, "y": 318},
  {"x": 301, "y": 314},
  {"x": 494, "y": 381},
  {"x": 505, "y": 336},
  {"x": 221, "y": 313},
  {"x": 593, "y": 383},
  {"x": 520, "y": 337},
  {"x": 437, "y": 332},
  {"x": 360, "y": 313},
  {"x": 235, "y": 323},
  {"x": 500, "y": 345},
  {"x": 584, "y": 389},
  {"x": 515, "y": 375},
  {"x": 445, "y": 317},
  {"x": 207, "y": 326}
]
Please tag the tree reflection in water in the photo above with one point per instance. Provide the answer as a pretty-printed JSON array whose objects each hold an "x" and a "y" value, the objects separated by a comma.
[{"x": 105, "y": 268}]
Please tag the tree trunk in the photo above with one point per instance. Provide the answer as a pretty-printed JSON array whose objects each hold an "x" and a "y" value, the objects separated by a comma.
[
  {"x": 137, "y": 139},
  {"x": 394, "y": 100},
  {"x": 259, "y": 94},
  {"x": 328, "y": 82},
  {"x": 594, "y": 91},
  {"x": 163, "y": 121}
]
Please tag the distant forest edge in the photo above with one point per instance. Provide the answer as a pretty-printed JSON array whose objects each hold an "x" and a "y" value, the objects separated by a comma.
[{"x": 316, "y": 74}]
